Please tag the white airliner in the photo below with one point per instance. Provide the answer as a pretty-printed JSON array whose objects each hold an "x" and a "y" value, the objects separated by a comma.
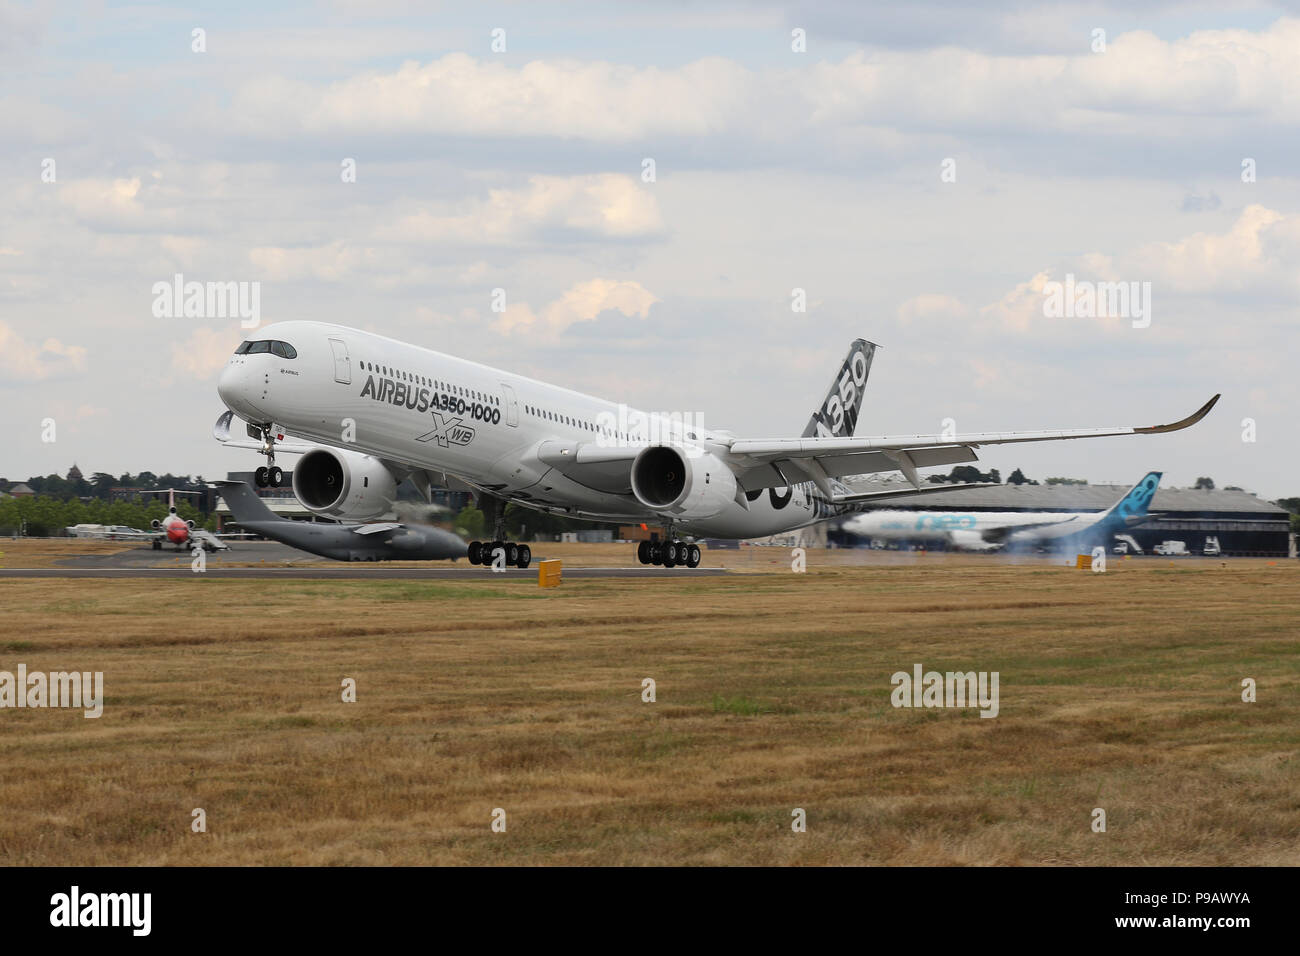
[
  {"x": 173, "y": 529},
  {"x": 380, "y": 410},
  {"x": 987, "y": 531}
]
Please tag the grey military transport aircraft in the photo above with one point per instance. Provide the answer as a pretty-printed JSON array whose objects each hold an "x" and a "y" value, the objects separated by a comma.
[{"x": 375, "y": 541}]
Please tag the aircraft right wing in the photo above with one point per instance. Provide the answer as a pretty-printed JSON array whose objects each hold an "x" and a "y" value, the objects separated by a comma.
[
  {"x": 376, "y": 528},
  {"x": 767, "y": 462}
]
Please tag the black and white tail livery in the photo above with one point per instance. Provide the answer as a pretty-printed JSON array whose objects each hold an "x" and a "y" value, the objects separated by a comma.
[{"x": 837, "y": 416}]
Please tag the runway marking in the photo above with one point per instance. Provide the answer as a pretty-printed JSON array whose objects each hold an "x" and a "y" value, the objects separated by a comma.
[{"x": 355, "y": 573}]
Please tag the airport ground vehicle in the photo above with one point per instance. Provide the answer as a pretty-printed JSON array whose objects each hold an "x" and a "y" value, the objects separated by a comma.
[
  {"x": 1126, "y": 544},
  {"x": 1171, "y": 548}
]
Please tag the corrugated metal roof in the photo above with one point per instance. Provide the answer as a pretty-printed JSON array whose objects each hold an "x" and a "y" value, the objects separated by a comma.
[{"x": 1070, "y": 498}]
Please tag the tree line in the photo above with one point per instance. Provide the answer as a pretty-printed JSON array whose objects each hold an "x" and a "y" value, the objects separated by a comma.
[{"x": 46, "y": 515}]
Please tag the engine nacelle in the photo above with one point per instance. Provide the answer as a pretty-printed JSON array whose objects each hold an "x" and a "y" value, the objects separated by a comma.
[
  {"x": 972, "y": 541},
  {"x": 344, "y": 484},
  {"x": 688, "y": 486}
]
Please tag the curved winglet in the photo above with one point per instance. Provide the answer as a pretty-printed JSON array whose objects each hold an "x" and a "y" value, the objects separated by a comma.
[{"x": 1187, "y": 422}]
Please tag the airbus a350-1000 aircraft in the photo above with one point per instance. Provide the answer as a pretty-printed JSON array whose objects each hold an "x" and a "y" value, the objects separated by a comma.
[
  {"x": 986, "y": 531},
  {"x": 380, "y": 411}
]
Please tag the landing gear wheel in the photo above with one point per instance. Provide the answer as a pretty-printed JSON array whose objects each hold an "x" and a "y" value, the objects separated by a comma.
[
  {"x": 475, "y": 552},
  {"x": 276, "y": 476},
  {"x": 262, "y": 477},
  {"x": 656, "y": 553},
  {"x": 157, "y": 545},
  {"x": 670, "y": 554},
  {"x": 693, "y": 556},
  {"x": 512, "y": 553},
  {"x": 643, "y": 552},
  {"x": 525, "y": 556}
]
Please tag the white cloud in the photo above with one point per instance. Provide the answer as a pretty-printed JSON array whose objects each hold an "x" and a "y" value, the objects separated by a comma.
[
  {"x": 931, "y": 305},
  {"x": 204, "y": 353},
  {"x": 1261, "y": 247},
  {"x": 582, "y": 302},
  {"x": 604, "y": 205},
  {"x": 23, "y": 360},
  {"x": 458, "y": 93},
  {"x": 1139, "y": 79},
  {"x": 1259, "y": 252}
]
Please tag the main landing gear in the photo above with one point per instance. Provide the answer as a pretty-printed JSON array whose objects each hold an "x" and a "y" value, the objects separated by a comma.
[
  {"x": 485, "y": 552},
  {"x": 669, "y": 554}
]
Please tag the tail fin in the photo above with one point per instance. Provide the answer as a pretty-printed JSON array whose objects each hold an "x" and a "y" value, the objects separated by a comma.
[
  {"x": 1132, "y": 508},
  {"x": 243, "y": 502},
  {"x": 837, "y": 416}
]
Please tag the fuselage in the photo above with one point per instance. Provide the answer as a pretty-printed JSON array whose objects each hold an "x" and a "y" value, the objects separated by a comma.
[
  {"x": 428, "y": 410},
  {"x": 342, "y": 543},
  {"x": 973, "y": 530}
]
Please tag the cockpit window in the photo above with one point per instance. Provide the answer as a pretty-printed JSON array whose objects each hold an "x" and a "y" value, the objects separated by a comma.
[{"x": 282, "y": 349}]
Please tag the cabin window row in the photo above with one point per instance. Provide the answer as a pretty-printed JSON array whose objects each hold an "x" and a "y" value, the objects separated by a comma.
[
  {"x": 561, "y": 419},
  {"x": 430, "y": 382}
]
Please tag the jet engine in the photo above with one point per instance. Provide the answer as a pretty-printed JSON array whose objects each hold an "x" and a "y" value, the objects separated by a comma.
[
  {"x": 344, "y": 484},
  {"x": 687, "y": 484},
  {"x": 972, "y": 541}
]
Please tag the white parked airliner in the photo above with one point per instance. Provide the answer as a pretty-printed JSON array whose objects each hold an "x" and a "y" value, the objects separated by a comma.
[
  {"x": 990, "y": 530},
  {"x": 380, "y": 410}
]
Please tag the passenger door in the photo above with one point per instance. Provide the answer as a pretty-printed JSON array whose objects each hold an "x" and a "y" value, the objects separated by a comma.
[
  {"x": 342, "y": 363},
  {"x": 512, "y": 406}
]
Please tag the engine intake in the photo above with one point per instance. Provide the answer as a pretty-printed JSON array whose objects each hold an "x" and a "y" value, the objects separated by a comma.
[
  {"x": 687, "y": 485},
  {"x": 344, "y": 484}
]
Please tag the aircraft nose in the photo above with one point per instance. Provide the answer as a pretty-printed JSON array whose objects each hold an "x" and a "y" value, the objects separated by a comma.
[{"x": 231, "y": 386}]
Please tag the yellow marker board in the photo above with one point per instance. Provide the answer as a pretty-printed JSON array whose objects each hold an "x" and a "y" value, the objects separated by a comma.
[{"x": 548, "y": 574}]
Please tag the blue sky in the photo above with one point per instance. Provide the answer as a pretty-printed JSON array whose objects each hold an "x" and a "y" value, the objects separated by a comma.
[{"x": 775, "y": 170}]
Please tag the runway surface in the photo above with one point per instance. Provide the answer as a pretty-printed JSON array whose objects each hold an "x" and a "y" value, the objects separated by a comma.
[{"x": 144, "y": 562}]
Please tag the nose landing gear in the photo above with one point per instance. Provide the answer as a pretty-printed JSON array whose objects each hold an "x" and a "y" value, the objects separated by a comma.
[{"x": 269, "y": 476}]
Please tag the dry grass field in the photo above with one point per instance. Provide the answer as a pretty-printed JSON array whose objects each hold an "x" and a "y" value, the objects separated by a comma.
[{"x": 1120, "y": 691}]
